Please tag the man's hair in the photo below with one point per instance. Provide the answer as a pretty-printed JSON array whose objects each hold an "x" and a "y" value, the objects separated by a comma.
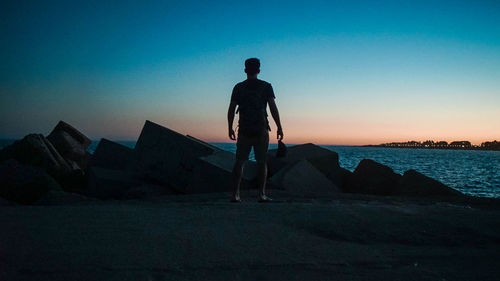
[{"x": 252, "y": 66}]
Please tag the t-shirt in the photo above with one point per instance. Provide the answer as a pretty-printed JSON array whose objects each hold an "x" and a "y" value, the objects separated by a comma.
[{"x": 251, "y": 96}]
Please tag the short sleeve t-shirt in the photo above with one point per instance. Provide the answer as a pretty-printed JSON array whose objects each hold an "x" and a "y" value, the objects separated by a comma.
[
  {"x": 252, "y": 96},
  {"x": 238, "y": 90}
]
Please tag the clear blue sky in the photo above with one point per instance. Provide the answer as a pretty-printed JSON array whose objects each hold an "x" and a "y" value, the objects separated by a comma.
[{"x": 344, "y": 72}]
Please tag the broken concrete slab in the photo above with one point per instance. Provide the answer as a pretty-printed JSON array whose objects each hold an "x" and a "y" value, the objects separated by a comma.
[
  {"x": 70, "y": 143},
  {"x": 325, "y": 160},
  {"x": 187, "y": 164},
  {"x": 111, "y": 155},
  {"x": 371, "y": 177},
  {"x": 23, "y": 183},
  {"x": 166, "y": 156},
  {"x": 303, "y": 179},
  {"x": 109, "y": 184},
  {"x": 36, "y": 150},
  {"x": 413, "y": 183}
]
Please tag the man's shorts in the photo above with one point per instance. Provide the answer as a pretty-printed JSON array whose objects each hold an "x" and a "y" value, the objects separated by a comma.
[{"x": 259, "y": 143}]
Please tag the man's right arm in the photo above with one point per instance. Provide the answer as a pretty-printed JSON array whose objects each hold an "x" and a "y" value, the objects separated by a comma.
[{"x": 276, "y": 116}]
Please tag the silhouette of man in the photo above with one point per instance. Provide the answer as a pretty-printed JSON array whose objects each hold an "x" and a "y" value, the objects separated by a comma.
[{"x": 252, "y": 96}]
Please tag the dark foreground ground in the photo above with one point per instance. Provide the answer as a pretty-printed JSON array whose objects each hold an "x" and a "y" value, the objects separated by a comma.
[{"x": 204, "y": 237}]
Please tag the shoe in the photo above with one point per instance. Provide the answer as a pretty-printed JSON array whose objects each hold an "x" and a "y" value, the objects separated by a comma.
[{"x": 265, "y": 199}]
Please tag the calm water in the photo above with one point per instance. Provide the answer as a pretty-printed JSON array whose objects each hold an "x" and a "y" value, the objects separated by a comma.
[{"x": 470, "y": 171}]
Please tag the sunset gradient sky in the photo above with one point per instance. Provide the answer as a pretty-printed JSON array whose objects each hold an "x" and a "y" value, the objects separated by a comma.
[{"x": 344, "y": 72}]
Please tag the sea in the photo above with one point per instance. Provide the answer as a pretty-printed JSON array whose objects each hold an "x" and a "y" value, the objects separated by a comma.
[{"x": 473, "y": 172}]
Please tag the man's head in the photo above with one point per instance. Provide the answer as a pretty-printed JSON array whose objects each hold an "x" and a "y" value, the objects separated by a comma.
[{"x": 252, "y": 66}]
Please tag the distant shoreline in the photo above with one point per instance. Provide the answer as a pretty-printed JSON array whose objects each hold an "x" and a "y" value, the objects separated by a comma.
[{"x": 423, "y": 147}]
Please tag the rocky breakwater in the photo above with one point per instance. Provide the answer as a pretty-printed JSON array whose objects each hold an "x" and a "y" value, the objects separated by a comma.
[
  {"x": 310, "y": 170},
  {"x": 371, "y": 177},
  {"x": 162, "y": 162},
  {"x": 58, "y": 169},
  {"x": 35, "y": 165}
]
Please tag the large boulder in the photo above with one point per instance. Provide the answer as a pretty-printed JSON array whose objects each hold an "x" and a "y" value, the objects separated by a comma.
[
  {"x": 23, "y": 183},
  {"x": 71, "y": 144},
  {"x": 187, "y": 164},
  {"x": 109, "y": 184},
  {"x": 111, "y": 155},
  {"x": 213, "y": 173},
  {"x": 413, "y": 183},
  {"x": 324, "y": 160},
  {"x": 371, "y": 177},
  {"x": 166, "y": 156},
  {"x": 36, "y": 150},
  {"x": 303, "y": 179}
]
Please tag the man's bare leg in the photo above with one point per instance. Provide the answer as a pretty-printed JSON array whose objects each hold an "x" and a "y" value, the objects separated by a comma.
[
  {"x": 237, "y": 174},
  {"x": 261, "y": 181}
]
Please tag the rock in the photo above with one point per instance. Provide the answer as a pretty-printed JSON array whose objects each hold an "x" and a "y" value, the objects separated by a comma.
[
  {"x": 302, "y": 178},
  {"x": 413, "y": 183},
  {"x": 24, "y": 184},
  {"x": 325, "y": 160},
  {"x": 371, "y": 177},
  {"x": 187, "y": 164},
  {"x": 111, "y": 155},
  {"x": 166, "y": 156},
  {"x": 70, "y": 143},
  {"x": 109, "y": 184},
  {"x": 59, "y": 197},
  {"x": 36, "y": 150}
]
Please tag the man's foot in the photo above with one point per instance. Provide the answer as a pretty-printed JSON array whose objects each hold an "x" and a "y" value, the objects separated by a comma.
[
  {"x": 264, "y": 199},
  {"x": 236, "y": 199}
]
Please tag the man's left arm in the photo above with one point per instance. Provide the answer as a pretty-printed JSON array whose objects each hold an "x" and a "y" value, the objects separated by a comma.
[
  {"x": 276, "y": 116},
  {"x": 230, "y": 120}
]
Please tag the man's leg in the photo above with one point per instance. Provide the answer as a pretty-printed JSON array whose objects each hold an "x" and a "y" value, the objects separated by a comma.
[
  {"x": 261, "y": 180},
  {"x": 260, "y": 150},
  {"x": 243, "y": 147},
  {"x": 237, "y": 174}
]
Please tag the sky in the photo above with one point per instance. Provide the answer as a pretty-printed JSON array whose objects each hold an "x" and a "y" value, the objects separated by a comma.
[{"x": 343, "y": 72}]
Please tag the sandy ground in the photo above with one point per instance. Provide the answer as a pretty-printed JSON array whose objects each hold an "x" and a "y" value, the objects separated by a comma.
[{"x": 204, "y": 237}]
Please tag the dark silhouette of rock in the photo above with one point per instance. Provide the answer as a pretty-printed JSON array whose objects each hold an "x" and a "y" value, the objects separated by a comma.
[
  {"x": 111, "y": 155},
  {"x": 324, "y": 160},
  {"x": 413, "y": 183},
  {"x": 71, "y": 144},
  {"x": 371, "y": 177},
  {"x": 23, "y": 183},
  {"x": 302, "y": 178},
  {"x": 59, "y": 197},
  {"x": 166, "y": 156},
  {"x": 186, "y": 164},
  {"x": 36, "y": 150},
  {"x": 109, "y": 184}
]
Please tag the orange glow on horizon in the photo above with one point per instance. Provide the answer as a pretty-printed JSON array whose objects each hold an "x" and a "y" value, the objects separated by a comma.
[{"x": 304, "y": 132}]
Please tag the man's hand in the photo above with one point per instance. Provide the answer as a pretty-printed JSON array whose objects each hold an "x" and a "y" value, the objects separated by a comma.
[
  {"x": 231, "y": 134},
  {"x": 280, "y": 134}
]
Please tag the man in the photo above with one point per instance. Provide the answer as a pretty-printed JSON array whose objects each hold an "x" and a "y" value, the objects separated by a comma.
[{"x": 252, "y": 96}]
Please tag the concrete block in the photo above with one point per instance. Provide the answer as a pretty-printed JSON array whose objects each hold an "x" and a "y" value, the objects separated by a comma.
[
  {"x": 111, "y": 155},
  {"x": 303, "y": 179}
]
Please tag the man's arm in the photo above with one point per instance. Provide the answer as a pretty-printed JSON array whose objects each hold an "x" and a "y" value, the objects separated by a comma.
[
  {"x": 276, "y": 116},
  {"x": 230, "y": 119}
]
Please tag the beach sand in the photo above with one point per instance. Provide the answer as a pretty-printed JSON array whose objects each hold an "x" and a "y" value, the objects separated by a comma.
[{"x": 204, "y": 237}]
